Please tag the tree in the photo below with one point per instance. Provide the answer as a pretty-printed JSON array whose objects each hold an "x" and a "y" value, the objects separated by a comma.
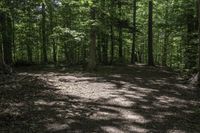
[
  {"x": 120, "y": 30},
  {"x": 166, "y": 36},
  {"x": 112, "y": 31},
  {"x": 5, "y": 46},
  {"x": 199, "y": 42},
  {"x": 2, "y": 63},
  {"x": 92, "y": 47},
  {"x": 51, "y": 19},
  {"x": 6, "y": 28},
  {"x": 150, "y": 35},
  {"x": 44, "y": 38},
  {"x": 134, "y": 31}
]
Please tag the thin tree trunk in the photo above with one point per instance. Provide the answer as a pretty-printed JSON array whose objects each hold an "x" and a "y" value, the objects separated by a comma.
[
  {"x": 5, "y": 46},
  {"x": 105, "y": 50},
  {"x": 165, "y": 49},
  {"x": 199, "y": 42},
  {"x": 44, "y": 39},
  {"x": 112, "y": 44},
  {"x": 2, "y": 63},
  {"x": 99, "y": 51},
  {"x": 150, "y": 35},
  {"x": 166, "y": 39},
  {"x": 28, "y": 43},
  {"x": 120, "y": 34},
  {"x": 92, "y": 48},
  {"x": 133, "y": 58},
  {"x": 112, "y": 34},
  {"x": 13, "y": 40},
  {"x": 7, "y": 38},
  {"x": 51, "y": 14}
]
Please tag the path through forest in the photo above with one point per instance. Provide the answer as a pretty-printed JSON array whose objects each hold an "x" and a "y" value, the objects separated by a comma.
[{"x": 135, "y": 99}]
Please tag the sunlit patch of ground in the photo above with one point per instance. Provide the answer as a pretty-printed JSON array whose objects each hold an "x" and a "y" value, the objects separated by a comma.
[{"x": 129, "y": 99}]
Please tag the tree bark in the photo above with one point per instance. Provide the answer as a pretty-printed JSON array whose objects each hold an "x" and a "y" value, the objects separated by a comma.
[
  {"x": 166, "y": 38},
  {"x": 29, "y": 42},
  {"x": 92, "y": 48},
  {"x": 120, "y": 34},
  {"x": 199, "y": 42},
  {"x": 5, "y": 46},
  {"x": 133, "y": 58},
  {"x": 150, "y": 35},
  {"x": 1, "y": 43},
  {"x": 44, "y": 39},
  {"x": 112, "y": 33},
  {"x": 6, "y": 29},
  {"x": 51, "y": 15}
]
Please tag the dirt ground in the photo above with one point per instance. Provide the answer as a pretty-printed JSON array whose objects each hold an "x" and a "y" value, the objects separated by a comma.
[{"x": 132, "y": 99}]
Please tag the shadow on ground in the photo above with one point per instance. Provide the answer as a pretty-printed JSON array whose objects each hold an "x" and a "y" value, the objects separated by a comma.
[{"x": 134, "y": 99}]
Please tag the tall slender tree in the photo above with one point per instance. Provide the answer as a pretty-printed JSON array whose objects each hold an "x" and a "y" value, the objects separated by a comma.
[
  {"x": 134, "y": 31},
  {"x": 199, "y": 41},
  {"x": 44, "y": 38},
  {"x": 52, "y": 25},
  {"x": 150, "y": 35},
  {"x": 112, "y": 31},
  {"x": 166, "y": 36},
  {"x": 92, "y": 47},
  {"x": 120, "y": 30},
  {"x": 1, "y": 46},
  {"x": 6, "y": 37}
]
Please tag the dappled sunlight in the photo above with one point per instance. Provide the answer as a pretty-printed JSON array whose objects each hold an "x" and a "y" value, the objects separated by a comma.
[
  {"x": 121, "y": 101},
  {"x": 56, "y": 127},
  {"x": 111, "y": 129},
  {"x": 88, "y": 102}
]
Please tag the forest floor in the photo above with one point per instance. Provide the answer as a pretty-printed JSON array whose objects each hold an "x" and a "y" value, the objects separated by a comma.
[{"x": 132, "y": 99}]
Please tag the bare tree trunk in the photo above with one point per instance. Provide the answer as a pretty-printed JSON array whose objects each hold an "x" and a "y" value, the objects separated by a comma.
[
  {"x": 120, "y": 34},
  {"x": 44, "y": 39},
  {"x": 133, "y": 58},
  {"x": 199, "y": 42},
  {"x": 6, "y": 28},
  {"x": 51, "y": 19},
  {"x": 1, "y": 44},
  {"x": 166, "y": 38},
  {"x": 112, "y": 34},
  {"x": 5, "y": 46},
  {"x": 92, "y": 49},
  {"x": 150, "y": 35}
]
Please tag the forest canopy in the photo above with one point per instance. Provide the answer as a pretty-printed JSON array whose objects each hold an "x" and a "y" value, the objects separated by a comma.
[{"x": 105, "y": 32}]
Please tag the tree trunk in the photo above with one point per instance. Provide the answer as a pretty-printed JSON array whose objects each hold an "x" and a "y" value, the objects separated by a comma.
[
  {"x": 112, "y": 33},
  {"x": 2, "y": 63},
  {"x": 7, "y": 38},
  {"x": 190, "y": 47},
  {"x": 199, "y": 42},
  {"x": 112, "y": 44},
  {"x": 54, "y": 52},
  {"x": 92, "y": 48},
  {"x": 51, "y": 19},
  {"x": 1, "y": 57},
  {"x": 105, "y": 50},
  {"x": 44, "y": 39},
  {"x": 120, "y": 34},
  {"x": 5, "y": 46},
  {"x": 133, "y": 58},
  {"x": 99, "y": 48},
  {"x": 166, "y": 39},
  {"x": 150, "y": 35},
  {"x": 29, "y": 42}
]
